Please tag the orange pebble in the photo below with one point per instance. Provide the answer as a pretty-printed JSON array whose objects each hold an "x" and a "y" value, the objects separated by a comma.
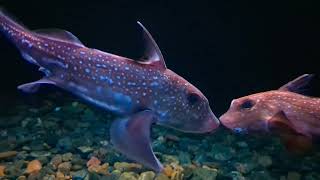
[
  {"x": 168, "y": 171},
  {"x": 34, "y": 166},
  {"x": 2, "y": 168},
  {"x": 93, "y": 162}
]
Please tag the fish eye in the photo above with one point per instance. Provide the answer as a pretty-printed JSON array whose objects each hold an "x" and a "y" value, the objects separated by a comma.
[
  {"x": 248, "y": 104},
  {"x": 193, "y": 98}
]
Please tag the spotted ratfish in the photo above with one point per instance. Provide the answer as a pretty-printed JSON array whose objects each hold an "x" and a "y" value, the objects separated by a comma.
[
  {"x": 294, "y": 117},
  {"x": 141, "y": 91}
]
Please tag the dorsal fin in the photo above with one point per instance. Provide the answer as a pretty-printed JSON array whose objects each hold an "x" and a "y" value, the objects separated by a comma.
[
  {"x": 152, "y": 53},
  {"x": 60, "y": 35},
  {"x": 297, "y": 85}
]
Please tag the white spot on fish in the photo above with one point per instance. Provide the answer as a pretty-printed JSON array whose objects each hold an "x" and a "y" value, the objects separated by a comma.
[
  {"x": 105, "y": 78},
  {"x": 99, "y": 89},
  {"x": 154, "y": 84}
]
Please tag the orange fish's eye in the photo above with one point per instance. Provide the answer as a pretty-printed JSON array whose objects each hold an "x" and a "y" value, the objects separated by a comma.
[{"x": 247, "y": 104}]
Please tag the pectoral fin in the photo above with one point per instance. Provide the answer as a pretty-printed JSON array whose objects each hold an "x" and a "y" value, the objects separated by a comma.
[
  {"x": 294, "y": 141},
  {"x": 279, "y": 123},
  {"x": 34, "y": 86},
  {"x": 131, "y": 136}
]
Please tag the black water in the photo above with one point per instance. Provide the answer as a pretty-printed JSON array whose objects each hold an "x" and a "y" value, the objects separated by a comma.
[{"x": 227, "y": 49}]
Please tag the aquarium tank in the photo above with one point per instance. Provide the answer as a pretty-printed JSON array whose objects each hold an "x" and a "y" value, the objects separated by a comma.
[{"x": 159, "y": 90}]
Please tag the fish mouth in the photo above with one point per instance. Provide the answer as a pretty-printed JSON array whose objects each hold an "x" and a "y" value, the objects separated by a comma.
[
  {"x": 208, "y": 124},
  {"x": 239, "y": 130},
  {"x": 226, "y": 122},
  {"x": 232, "y": 126},
  {"x": 211, "y": 124}
]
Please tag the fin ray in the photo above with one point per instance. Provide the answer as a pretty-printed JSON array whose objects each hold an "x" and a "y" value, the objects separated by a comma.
[
  {"x": 297, "y": 85},
  {"x": 131, "y": 137},
  {"x": 60, "y": 35},
  {"x": 32, "y": 87},
  {"x": 152, "y": 53},
  {"x": 294, "y": 141}
]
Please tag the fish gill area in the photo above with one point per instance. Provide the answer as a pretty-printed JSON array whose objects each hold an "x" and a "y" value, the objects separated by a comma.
[{"x": 56, "y": 140}]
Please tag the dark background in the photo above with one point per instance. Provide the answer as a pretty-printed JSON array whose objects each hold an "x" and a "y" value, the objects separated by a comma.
[{"x": 227, "y": 49}]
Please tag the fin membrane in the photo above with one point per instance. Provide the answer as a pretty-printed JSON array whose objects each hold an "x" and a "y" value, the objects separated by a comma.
[
  {"x": 34, "y": 86},
  {"x": 297, "y": 143},
  {"x": 60, "y": 35},
  {"x": 131, "y": 137},
  {"x": 152, "y": 53},
  {"x": 297, "y": 85},
  {"x": 294, "y": 141}
]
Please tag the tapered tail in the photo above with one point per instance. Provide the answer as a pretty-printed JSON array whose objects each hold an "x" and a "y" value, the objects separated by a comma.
[
  {"x": 10, "y": 27},
  {"x": 20, "y": 36}
]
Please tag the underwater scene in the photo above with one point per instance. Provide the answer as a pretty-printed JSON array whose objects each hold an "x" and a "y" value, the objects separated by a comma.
[{"x": 159, "y": 90}]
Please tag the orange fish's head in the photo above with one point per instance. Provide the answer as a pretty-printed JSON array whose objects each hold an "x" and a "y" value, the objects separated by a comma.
[{"x": 249, "y": 114}]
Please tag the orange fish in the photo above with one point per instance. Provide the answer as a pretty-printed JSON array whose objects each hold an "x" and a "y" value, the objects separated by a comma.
[{"x": 284, "y": 112}]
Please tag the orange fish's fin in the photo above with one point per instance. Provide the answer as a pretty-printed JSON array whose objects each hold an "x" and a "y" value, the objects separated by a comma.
[
  {"x": 280, "y": 123},
  {"x": 294, "y": 142},
  {"x": 298, "y": 85}
]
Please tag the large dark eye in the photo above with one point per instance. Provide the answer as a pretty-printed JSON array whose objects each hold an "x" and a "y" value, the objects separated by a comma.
[
  {"x": 248, "y": 104},
  {"x": 193, "y": 98}
]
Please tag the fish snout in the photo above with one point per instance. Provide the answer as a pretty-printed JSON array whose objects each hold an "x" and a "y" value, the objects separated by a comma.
[
  {"x": 226, "y": 121},
  {"x": 230, "y": 124},
  {"x": 212, "y": 123}
]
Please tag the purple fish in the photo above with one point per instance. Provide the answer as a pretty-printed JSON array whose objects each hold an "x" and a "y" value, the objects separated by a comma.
[{"x": 142, "y": 91}]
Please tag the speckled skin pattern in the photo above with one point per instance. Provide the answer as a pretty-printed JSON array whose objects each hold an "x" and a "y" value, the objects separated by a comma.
[
  {"x": 302, "y": 112},
  {"x": 115, "y": 83}
]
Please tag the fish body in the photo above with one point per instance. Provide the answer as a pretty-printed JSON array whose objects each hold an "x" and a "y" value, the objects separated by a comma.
[
  {"x": 142, "y": 91},
  {"x": 284, "y": 112}
]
